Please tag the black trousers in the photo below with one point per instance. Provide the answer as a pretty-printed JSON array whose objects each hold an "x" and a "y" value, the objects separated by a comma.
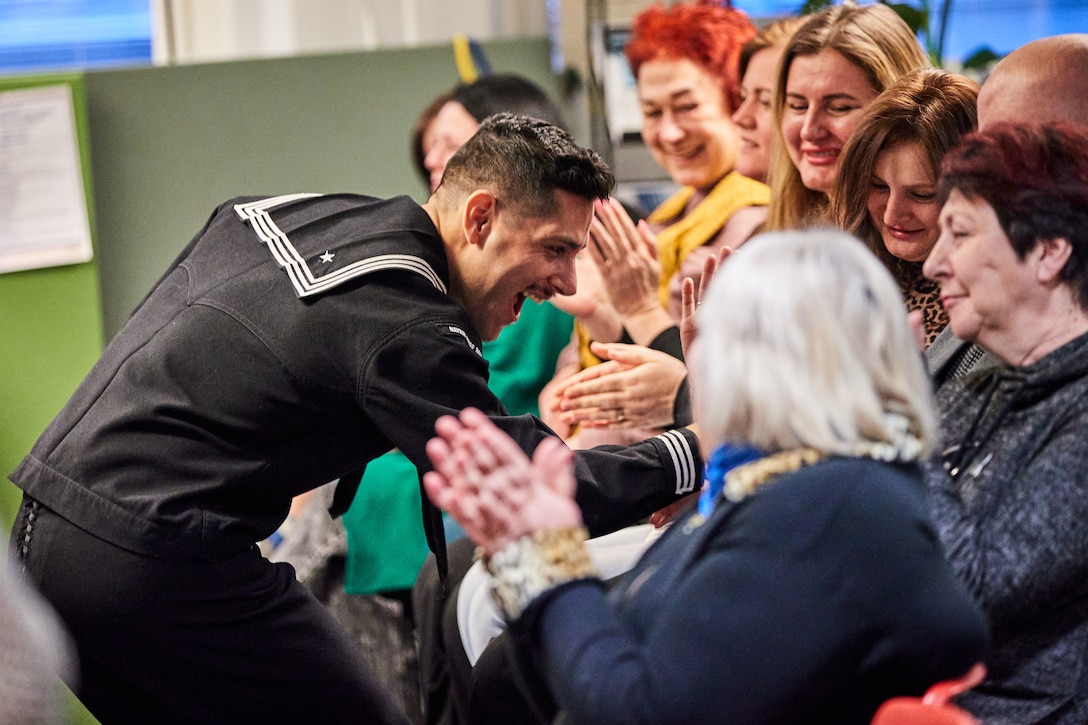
[
  {"x": 444, "y": 669},
  {"x": 165, "y": 641}
]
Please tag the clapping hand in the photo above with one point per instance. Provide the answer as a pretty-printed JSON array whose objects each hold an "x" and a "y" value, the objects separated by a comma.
[
  {"x": 626, "y": 257},
  {"x": 491, "y": 488},
  {"x": 590, "y": 304},
  {"x": 635, "y": 388},
  {"x": 690, "y": 301}
]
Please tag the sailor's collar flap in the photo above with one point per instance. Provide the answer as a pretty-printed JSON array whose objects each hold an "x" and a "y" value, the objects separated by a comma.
[{"x": 322, "y": 246}]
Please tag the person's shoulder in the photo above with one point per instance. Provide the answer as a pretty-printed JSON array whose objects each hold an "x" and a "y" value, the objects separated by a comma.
[
  {"x": 843, "y": 474},
  {"x": 861, "y": 493},
  {"x": 322, "y": 204},
  {"x": 838, "y": 519},
  {"x": 744, "y": 224}
]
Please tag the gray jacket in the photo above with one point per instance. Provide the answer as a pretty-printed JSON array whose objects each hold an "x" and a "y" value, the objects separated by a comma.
[{"x": 1010, "y": 499}]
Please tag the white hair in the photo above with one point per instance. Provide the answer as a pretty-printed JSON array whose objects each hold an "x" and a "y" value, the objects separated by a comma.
[{"x": 803, "y": 341}]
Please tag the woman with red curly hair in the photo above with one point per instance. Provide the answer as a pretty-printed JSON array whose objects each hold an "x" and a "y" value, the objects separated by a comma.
[{"x": 686, "y": 62}]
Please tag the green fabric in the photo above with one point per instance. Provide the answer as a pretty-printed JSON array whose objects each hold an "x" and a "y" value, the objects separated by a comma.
[
  {"x": 522, "y": 358},
  {"x": 386, "y": 543}
]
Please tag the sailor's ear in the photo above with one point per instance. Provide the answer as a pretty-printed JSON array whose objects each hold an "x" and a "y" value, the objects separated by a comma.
[{"x": 478, "y": 217}]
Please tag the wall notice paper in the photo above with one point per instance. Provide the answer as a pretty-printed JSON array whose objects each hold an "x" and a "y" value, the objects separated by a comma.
[{"x": 43, "y": 208}]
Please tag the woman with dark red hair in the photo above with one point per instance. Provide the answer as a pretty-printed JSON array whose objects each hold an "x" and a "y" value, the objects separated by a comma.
[{"x": 1010, "y": 496}]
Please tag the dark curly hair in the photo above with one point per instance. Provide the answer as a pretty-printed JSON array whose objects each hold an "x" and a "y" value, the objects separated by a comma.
[{"x": 524, "y": 161}]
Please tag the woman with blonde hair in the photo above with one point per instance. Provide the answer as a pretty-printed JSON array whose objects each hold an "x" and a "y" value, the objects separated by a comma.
[{"x": 835, "y": 65}]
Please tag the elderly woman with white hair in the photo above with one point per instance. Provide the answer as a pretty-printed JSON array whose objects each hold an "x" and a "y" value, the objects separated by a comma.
[{"x": 809, "y": 584}]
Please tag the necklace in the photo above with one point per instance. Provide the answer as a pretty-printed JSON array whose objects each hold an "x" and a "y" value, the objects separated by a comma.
[{"x": 743, "y": 480}]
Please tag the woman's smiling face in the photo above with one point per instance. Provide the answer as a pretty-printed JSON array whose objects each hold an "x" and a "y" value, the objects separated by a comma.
[
  {"x": 754, "y": 117},
  {"x": 686, "y": 121},
  {"x": 826, "y": 95},
  {"x": 902, "y": 201},
  {"x": 985, "y": 287}
]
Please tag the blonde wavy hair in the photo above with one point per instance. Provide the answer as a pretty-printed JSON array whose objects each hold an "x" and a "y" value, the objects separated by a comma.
[{"x": 872, "y": 37}]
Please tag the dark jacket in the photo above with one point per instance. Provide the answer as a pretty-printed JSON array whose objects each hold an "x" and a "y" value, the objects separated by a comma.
[
  {"x": 292, "y": 341},
  {"x": 1010, "y": 499},
  {"x": 813, "y": 600}
]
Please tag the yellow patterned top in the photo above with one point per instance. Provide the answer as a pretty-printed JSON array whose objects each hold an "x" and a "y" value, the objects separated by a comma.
[{"x": 678, "y": 240}]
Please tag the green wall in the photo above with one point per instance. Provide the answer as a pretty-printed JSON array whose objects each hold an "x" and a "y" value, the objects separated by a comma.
[
  {"x": 50, "y": 335},
  {"x": 169, "y": 144},
  {"x": 50, "y": 330}
]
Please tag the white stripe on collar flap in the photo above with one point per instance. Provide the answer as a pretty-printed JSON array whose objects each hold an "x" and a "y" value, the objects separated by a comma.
[{"x": 306, "y": 283}]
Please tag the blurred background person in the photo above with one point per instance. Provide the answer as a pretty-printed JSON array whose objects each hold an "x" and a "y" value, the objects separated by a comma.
[
  {"x": 453, "y": 117},
  {"x": 35, "y": 654},
  {"x": 754, "y": 116},
  {"x": 1044, "y": 81}
]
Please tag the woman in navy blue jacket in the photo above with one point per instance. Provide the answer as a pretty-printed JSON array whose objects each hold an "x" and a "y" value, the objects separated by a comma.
[{"x": 808, "y": 585}]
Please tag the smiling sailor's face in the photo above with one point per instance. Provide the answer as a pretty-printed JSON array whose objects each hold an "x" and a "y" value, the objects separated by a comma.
[{"x": 515, "y": 257}]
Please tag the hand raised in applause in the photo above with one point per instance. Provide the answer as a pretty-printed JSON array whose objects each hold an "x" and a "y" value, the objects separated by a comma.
[
  {"x": 635, "y": 388},
  {"x": 590, "y": 304},
  {"x": 491, "y": 488},
  {"x": 690, "y": 300},
  {"x": 626, "y": 258}
]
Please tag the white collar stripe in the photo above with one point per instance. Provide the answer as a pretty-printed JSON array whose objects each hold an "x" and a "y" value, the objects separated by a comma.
[
  {"x": 270, "y": 203},
  {"x": 298, "y": 271}
]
